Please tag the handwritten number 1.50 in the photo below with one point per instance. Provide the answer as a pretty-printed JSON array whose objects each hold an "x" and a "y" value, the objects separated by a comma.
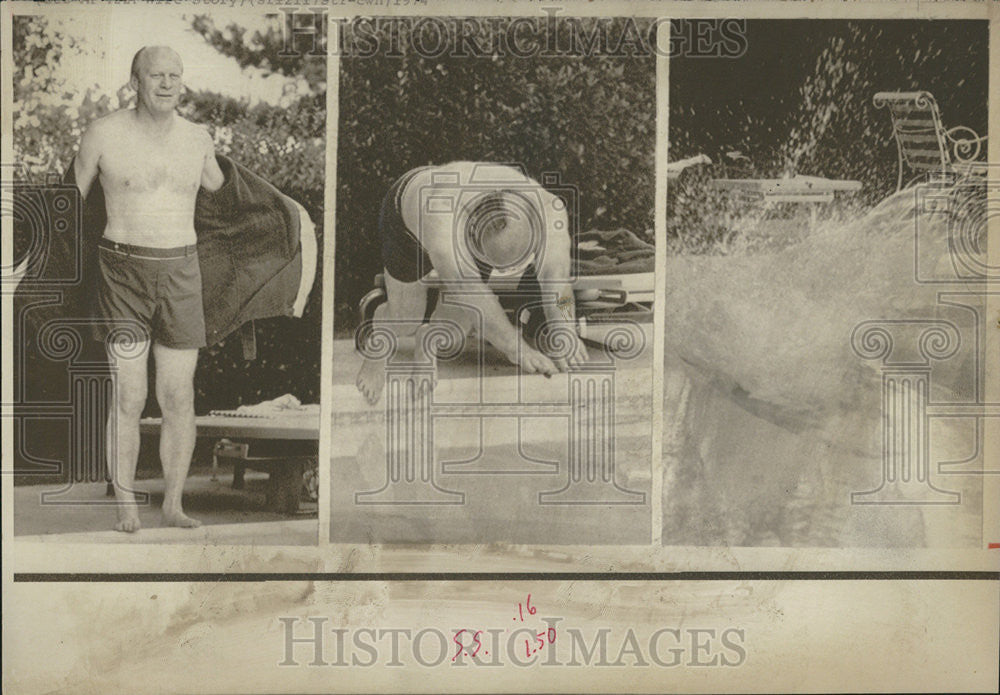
[{"x": 543, "y": 638}]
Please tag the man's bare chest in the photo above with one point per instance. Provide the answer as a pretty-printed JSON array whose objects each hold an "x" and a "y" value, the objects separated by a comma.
[{"x": 172, "y": 167}]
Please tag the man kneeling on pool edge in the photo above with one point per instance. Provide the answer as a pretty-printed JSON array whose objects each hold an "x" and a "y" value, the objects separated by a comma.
[{"x": 480, "y": 226}]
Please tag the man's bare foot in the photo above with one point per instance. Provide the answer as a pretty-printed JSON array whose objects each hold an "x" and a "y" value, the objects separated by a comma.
[
  {"x": 179, "y": 519},
  {"x": 128, "y": 518},
  {"x": 371, "y": 380}
]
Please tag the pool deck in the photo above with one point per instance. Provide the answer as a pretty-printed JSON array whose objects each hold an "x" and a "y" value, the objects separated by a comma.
[
  {"x": 240, "y": 517},
  {"x": 229, "y": 517}
]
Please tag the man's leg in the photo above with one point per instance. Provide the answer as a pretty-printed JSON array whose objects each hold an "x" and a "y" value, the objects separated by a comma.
[
  {"x": 401, "y": 313},
  {"x": 129, "y": 399},
  {"x": 446, "y": 330},
  {"x": 175, "y": 394}
]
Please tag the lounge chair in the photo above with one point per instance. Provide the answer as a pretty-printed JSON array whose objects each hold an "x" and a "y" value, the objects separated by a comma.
[
  {"x": 925, "y": 145},
  {"x": 810, "y": 190}
]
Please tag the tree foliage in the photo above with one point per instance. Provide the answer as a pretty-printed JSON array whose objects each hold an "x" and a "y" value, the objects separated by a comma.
[
  {"x": 264, "y": 50},
  {"x": 50, "y": 109}
]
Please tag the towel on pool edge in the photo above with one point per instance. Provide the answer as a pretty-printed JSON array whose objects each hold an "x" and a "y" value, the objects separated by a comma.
[
  {"x": 613, "y": 252},
  {"x": 276, "y": 407}
]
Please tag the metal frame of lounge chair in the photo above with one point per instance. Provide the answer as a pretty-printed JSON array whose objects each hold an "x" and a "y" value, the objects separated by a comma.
[
  {"x": 925, "y": 145},
  {"x": 286, "y": 473},
  {"x": 803, "y": 190}
]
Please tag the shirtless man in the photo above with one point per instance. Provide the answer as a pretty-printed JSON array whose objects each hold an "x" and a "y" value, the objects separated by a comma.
[
  {"x": 151, "y": 163},
  {"x": 477, "y": 225}
]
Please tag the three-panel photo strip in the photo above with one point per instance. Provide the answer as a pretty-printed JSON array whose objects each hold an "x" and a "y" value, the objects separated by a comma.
[{"x": 498, "y": 347}]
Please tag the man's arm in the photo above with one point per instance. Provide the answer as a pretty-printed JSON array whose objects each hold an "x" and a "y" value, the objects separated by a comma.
[
  {"x": 86, "y": 165},
  {"x": 675, "y": 169},
  {"x": 498, "y": 331},
  {"x": 212, "y": 177},
  {"x": 559, "y": 303}
]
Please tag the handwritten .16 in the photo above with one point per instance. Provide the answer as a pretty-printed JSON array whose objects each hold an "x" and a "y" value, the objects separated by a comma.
[{"x": 527, "y": 604}]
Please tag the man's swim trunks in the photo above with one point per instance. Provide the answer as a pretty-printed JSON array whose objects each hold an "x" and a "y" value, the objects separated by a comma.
[
  {"x": 402, "y": 255},
  {"x": 158, "y": 288},
  {"x": 252, "y": 249}
]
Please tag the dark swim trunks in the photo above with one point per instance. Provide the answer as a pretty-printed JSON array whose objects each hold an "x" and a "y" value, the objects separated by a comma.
[
  {"x": 158, "y": 288},
  {"x": 406, "y": 260},
  {"x": 402, "y": 255}
]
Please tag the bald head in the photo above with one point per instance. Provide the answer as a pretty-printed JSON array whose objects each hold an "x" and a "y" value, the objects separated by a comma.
[
  {"x": 156, "y": 78},
  {"x": 146, "y": 54},
  {"x": 501, "y": 229}
]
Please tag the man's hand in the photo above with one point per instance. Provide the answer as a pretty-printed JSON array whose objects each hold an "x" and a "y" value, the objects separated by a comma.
[
  {"x": 531, "y": 361},
  {"x": 577, "y": 354},
  {"x": 212, "y": 177},
  {"x": 559, "y": 341}
]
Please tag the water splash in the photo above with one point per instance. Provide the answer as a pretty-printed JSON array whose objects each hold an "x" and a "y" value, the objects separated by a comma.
[{"x": 829, "y": 128}]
